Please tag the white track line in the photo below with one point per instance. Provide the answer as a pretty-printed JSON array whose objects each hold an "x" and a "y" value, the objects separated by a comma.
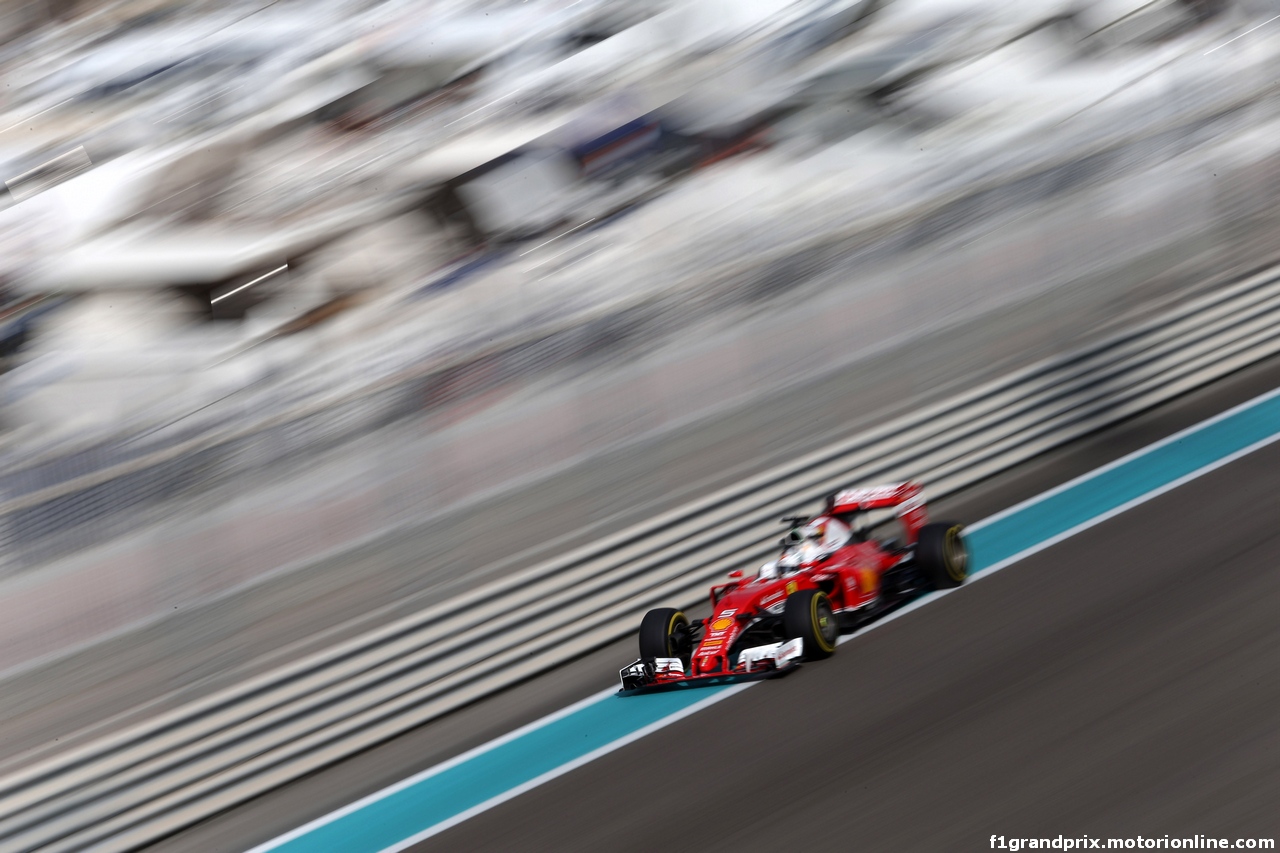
[
  {"x": 570, "y": 765},
  {"x": 731, "y": 691},
  {"x": 1129, "y": 457}
]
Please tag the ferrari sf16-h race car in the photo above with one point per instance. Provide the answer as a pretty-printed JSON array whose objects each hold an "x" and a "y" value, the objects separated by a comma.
[{"x": 831, "y": 577}]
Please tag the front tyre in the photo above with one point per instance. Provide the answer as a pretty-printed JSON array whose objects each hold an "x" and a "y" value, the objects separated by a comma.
[
  {"x": 942, "y": 555},
  {"x": 664, "y": 633},
  {"x": 808, "y": 616}
]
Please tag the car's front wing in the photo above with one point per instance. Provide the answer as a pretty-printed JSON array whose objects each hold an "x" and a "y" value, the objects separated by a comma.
[{"x": 662, "y": 674}]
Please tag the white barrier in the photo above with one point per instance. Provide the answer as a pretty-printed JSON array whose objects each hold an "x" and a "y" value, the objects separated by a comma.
[
  {"x": 1085, "y": 252},
  {"x": 129, "y": 787}
]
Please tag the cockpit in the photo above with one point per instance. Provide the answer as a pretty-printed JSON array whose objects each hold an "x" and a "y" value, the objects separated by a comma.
[{"x": 806, "y": 543}]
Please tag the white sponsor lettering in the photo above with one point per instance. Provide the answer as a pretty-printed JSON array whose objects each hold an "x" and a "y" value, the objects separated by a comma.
[
  {"x": 667, "y": 666},
  {"x": 789, "y": 651},
  {"x": 873, "y": 493},
  {"x": 779, "y": 654}
]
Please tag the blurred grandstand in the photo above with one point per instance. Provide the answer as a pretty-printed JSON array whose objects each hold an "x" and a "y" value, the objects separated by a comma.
[{"x": 237, "y": 232}]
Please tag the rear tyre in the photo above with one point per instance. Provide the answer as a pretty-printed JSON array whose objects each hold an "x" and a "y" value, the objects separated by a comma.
[
  {"x": 942, "y": 555},
  {"x": 808, "y": 616},
  {"x": 664, "y": 633}
]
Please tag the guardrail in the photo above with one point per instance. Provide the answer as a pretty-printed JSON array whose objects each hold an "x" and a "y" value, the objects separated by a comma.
[{"x": 129, "y": 788}]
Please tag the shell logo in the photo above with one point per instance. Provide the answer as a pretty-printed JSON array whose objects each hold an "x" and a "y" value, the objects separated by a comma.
[
  {"x": 792, "y": 587},
  {"x": 722, "y": 624}
]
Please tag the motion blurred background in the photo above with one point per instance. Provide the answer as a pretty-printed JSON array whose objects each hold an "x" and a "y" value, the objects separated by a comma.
[
  {"x": 280, "y": 280},
  {"x": 225, "y": 217}
]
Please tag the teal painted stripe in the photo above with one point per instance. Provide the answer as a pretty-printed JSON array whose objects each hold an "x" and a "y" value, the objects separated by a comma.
[
  {"x": 385, "y": 822},
  {"x": 1113, "y": 487},
  {"x": 389, "y": 819}
]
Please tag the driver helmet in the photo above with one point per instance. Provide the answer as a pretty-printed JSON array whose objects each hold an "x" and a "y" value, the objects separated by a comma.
[{"x": 810, "y": 544}]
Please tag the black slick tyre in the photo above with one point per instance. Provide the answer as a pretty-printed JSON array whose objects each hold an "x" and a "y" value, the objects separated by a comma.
[
  {"x": 942, "y": 554},
  {"x": 808, "y": 616},
  {"x": 664, "y": 633}
]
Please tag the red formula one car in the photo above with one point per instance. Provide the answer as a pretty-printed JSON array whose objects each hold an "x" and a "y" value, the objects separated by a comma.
[{"x": 831, "y": 577}]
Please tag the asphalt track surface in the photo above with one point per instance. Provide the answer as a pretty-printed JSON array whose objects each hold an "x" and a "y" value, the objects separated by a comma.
[
  {"x": 1121, "y": 682},
  {"x": 1124, "y": 682},
  {"x": 203, "y": 647}
]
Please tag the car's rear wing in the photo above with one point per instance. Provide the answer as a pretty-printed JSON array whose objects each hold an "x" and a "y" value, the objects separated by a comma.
[
  {"x": 874, "y": 497},
  {"x": 906, "y": 497}
]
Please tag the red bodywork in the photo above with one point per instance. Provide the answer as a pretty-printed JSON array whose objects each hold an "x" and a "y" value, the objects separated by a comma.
[{"x": 850, "y": 576}]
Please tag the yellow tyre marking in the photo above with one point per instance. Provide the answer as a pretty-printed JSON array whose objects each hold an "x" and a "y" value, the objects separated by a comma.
[
  {"x": 671, "y": 628},
  {"x": 957, "y": 573},
  {"x": 813, "y": 608}
]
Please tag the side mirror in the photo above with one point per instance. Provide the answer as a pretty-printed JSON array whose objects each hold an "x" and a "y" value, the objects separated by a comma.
[{"x": 736, "y": 573}]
